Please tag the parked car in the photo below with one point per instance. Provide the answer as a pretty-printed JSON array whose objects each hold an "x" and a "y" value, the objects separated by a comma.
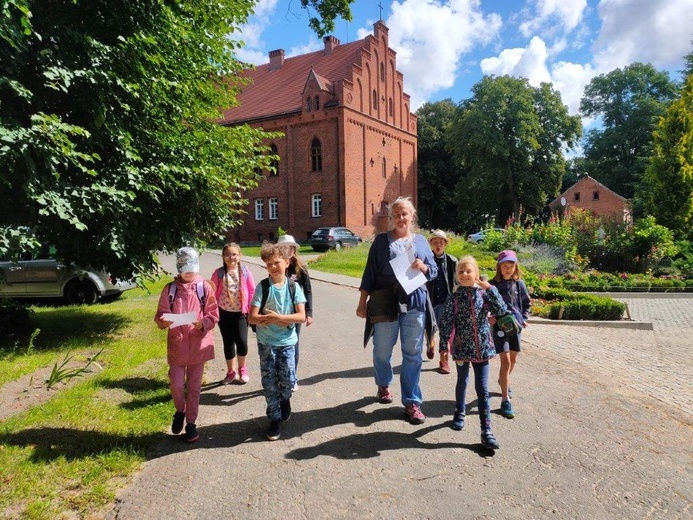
[
  {"x": 325, "y": 238},
  {"x": 41, "y": 276},
  {"x": 479, "y": 236}
]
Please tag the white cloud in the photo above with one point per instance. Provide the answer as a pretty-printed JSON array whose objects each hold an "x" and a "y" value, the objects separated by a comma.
[
  {"x": 550, "y": 14},
  {"x": 642, "y": 30},
  {"x": 529, "y": 63},
  {"x": 430, "y": 38}
]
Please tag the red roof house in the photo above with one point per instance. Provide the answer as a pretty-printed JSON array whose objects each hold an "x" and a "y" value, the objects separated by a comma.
[
  {"x": 591, "y": 195},
  {"x": 349, "y": 139}
]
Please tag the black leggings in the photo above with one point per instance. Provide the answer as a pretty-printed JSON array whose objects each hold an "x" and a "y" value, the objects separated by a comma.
[{"x": 234, "y": 333}]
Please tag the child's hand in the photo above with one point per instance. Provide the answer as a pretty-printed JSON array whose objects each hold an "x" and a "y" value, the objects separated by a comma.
[
  {"x": 164, "y": 324},
  {"x": 309, "y": 321},
  {"x": 197, "y": 324},
  {"x": 483, "y": 284},
  {"x": 492, "y": 319}
]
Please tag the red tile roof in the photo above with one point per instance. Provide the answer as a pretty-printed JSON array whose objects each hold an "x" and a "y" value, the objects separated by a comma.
[{"x": 277, "y": 92}]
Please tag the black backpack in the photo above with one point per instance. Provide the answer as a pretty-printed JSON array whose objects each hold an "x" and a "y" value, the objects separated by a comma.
[{"x": 265, "y": 288}]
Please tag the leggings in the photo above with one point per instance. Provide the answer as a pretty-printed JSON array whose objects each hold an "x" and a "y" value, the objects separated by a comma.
[{"x": 234, "y": 333}]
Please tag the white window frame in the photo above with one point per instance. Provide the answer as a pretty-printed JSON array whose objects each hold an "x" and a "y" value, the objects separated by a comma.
[
  {"x": 316, "y": 205},
  {"x": 273, "y": 208},
  {"x": 259, "y": 209}
]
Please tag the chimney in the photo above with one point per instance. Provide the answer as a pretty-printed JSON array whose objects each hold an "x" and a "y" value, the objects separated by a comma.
[
  {"x": 330, "y": 43},
  {"x": 276, "y": 59}
]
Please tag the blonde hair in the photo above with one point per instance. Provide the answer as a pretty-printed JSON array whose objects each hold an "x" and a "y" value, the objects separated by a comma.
[
  {"x": 401, "y": 201},
  {"x": 517, "y": 273},
  {"x": 230, "y": 245},
  {"x": 469, "y": 260}
]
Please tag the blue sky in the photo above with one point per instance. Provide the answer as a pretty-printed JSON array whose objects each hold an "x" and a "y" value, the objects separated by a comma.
[{"x": 446, "y": 46}]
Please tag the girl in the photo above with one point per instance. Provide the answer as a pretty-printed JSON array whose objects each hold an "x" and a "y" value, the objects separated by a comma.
[
  {"x": 234, "y": 287},
  {"x": 298, "y": 272},
  {"x": 516, "y": 297},
  {"x": 464, "y": 325},
  {"x": 189, "y": 345}
]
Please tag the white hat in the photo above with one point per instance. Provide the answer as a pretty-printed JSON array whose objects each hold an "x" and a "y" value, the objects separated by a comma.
[
  {"x": 187, "y": 260},
  {"x": 438, "y": 233},
  {"x": 287, "y": 240}
]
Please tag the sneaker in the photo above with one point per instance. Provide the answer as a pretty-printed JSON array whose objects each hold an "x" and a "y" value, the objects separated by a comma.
[
  {"x": 286, "y": 409},
  {"x": 458, "y": 421},
  {"x": 273, "y": 432},
  {"x": 384, "y": 395},
  {"x": 295, "y": 387},
  {"x": 177, "y": 424},
  {"x": 488, "y": 441},
  {"x": 414, "y": 414},
  {"x": 230, "y": 378},
  {"x": 243, "y": 375},
  {"x": 191, "y": 434},
  {"x": 506, "y": 410},
  {"x": 444, "y": 366}
]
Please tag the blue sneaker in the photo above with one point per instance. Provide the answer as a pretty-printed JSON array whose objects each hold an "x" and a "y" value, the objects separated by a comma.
[
  {"x": 273, "y": 432},
  {"x": 488, "y": 441},
  {"x": 506, "y": 410},
  {"x": 458, "y": 421}
]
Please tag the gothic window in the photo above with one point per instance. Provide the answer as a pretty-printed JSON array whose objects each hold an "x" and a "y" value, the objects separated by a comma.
[
  {"x": 390, "y": 108},
  {"x": 316, "y": 155},
  {"x": 275, "y": 162},
  {"x": 317, "y": 103},
  {"x": 375, "y": 100},
  {"x": 382, "y": 71},
  {"x": 384, "y": 168},
  {"x": 309, "y": 104}
]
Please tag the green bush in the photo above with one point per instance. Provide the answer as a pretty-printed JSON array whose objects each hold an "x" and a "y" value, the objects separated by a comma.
[{"x": 585, "y": 307}]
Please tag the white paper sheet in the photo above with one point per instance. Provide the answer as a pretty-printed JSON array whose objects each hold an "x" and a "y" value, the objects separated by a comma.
[
  {"x": 180, "y": 319},
  {"x": 410, "y": 279}
]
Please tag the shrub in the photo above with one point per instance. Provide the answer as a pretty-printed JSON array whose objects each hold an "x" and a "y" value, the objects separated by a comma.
[{"x": 585, "y": 307}]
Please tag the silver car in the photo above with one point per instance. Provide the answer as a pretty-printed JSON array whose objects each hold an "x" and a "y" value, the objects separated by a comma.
[
  {"x": 40, "y": 276},
  {"x": 479, "y": 236}
]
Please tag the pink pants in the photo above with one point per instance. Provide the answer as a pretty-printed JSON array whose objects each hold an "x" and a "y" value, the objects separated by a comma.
[{"x": 189, "y": 404}]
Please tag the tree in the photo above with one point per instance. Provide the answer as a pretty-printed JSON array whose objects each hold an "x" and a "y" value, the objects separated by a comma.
[
  {"x": 438, "y": 174},
  {"x": 328, "y": 11},
  {"x": 688, "y": 67},
  {"x": 627, "y": 102},
  {"x": 509, "y": 140},
  {"x": 666, "y": 190},
  {"x": 109, "y": 146}
]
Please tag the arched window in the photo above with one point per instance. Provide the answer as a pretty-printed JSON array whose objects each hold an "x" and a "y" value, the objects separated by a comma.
[
  {"x": 316, "y": 155},
  {"x": 375, "y": 100},
  {"x": 309, "y": 104},
  {"x": 275, "y": 161},
  {"x": 390, "y": 108},
  {"x": 317, "y": 103},
  {"x": 384, "y": 168},
  {"x": 382, "y": 71}
]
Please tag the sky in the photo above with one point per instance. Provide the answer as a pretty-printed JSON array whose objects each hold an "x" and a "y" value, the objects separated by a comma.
[{"x": 444, "y": 47}]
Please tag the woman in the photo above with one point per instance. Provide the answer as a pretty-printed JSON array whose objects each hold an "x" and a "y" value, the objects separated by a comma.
[{"x": 409, "y": 319}]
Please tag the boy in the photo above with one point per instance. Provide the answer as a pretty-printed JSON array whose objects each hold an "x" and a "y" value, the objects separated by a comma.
[
  {"x": 276, "y": 334},
  {"x": 440, "y": 287}
]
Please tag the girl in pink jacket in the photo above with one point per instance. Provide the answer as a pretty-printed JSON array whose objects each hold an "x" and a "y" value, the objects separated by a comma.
[
  {"x": 189, "y": 345},
  {"x": 234, "y": 288}
]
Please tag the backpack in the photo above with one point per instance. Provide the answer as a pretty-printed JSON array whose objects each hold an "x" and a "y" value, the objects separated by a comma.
[
  {"x": 199, "y": 286},
  {"x": 265, "y": 288}
]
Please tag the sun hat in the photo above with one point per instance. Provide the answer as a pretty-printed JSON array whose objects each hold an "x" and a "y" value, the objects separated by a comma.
[
  {"x": 438, "y": 233},
  {"x": 506, "y": 256},
  {"x": 187, "y": 260},
  {"x": 287, "y": 240}
]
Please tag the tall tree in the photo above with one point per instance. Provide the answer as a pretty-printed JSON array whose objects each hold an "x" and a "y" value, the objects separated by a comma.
[
  {"x": 109, "y": 146},
  {"x": 627, "y": 103},
  {"x": 509, "y": 140},
  {"x": 688, "y": 67},
  {"x": 438, "y": 172},
  {"x": 666, "y": 190}
]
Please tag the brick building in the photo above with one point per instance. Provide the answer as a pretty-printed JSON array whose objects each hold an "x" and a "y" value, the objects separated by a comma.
[
  {"x": 593, "y": 196},
  {"x": 349, "y": 139}
]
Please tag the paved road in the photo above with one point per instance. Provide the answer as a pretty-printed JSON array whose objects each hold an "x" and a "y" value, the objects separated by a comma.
[{"x": 603, "y": 430}]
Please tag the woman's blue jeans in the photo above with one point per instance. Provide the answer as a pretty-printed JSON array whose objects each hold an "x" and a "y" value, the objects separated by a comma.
[
  {"x": 481, "y": 371},
  {"x": 410, "y": 327}
]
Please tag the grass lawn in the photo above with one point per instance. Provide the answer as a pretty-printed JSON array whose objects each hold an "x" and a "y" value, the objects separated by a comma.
[{"x": 68, "y": 456}]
